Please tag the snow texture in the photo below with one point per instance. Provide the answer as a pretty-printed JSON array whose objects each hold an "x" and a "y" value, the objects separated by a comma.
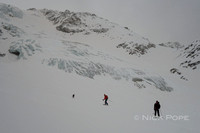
[
  {"x": 85, "y": 64},
  {"x": 23, "y": 48},
  {"x": 7, "y": 11},
  {"x": 42, "y": 67},
  {"x": 14, "y": 31}
]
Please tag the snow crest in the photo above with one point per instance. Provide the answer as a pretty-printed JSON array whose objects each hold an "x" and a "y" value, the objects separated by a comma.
[
  {"x": 7, "y": 11},
  {"x": 71, "y": 22}
]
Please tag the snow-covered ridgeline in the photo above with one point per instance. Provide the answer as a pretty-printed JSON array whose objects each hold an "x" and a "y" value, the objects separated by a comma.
[
  {"x": 71, "y": 22},
  {"x": 87, "y": 24},
  {"x": 7, "y": 11}
]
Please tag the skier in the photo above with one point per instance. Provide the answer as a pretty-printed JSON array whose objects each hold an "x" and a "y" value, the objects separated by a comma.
[
  {"x": 106, "y": 99},
  {"x": 73, "y": 95},
  {"x": 156, "y": 108}
]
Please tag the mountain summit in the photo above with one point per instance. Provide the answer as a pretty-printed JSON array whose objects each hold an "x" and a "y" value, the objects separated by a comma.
[{"x": 88, "y": 24}]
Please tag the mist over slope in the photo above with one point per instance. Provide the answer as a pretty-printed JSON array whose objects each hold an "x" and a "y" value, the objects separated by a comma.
[{"x": 46, "y": 56}]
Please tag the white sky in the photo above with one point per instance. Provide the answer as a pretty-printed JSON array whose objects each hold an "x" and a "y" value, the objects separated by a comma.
[{"x": 158, "y": 20}]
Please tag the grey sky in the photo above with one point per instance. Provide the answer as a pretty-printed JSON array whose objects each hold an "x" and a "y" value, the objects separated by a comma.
[{"x": 158, "y": 20}]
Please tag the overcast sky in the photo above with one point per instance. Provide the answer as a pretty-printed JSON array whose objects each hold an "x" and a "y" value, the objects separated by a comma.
[{"x": 158, "y": 20}]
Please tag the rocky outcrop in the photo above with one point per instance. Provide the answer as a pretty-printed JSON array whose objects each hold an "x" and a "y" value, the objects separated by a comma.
[
  {"x": 68, "y": 30},
  {"x": 87, "y": 24},
  {"x": 135, "y": 48},
  {"x": 176, "y": 45},
  {"x": 1, "y": 32},
  {"x": 178, "y": 72},
  {"x": 191, "y": 55},
  {"x": 2, "y": 54},
  {"x": 101, "y": 30},
  {"x": 70, "y": 22}
]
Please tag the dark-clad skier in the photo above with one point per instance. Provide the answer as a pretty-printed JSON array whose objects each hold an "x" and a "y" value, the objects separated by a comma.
[{"x": 156, "y": 108}]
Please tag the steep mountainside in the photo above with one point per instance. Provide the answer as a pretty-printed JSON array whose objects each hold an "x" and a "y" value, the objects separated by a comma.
[
  {"x": 30, "y": 41},
  {"x": 191, "y": 56},
  {"x": 188, "y": 60},
  {"x": 87, "y": 24}
]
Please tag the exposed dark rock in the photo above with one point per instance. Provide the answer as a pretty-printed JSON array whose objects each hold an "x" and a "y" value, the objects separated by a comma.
[
  {"x": 194, "y": 64},
  {"x": 1, "y": 32},
  {"x": 126, "y": 28},
  {"x": 32, "y": 9},
  {"x": 73, "y": 20},
  {"x": 70, "y": 22},
  {"x": 174, "y": 70},
  {"x": 135, "y": 48},
  {"x": 176, "y": 45},
  {"x": 6, "y": 27},
  {"x": 137, "y": 80},
  {"x": 102, "y": 30},
  {"x": 67, "y": 30},
  {"x": 183, "y": 78},
  {"x": 191, "y": 54},
  {"x": 2, "y": 55},
  {"x": 15, "y": 52}
]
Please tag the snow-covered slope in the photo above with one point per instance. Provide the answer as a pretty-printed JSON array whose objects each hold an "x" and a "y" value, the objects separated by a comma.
[
  {"x": 87, "y": 24},
  {"x": 46, "y": 56},
  {"x": 187, "y": 62},
  {"x": 72, "y": 57}
]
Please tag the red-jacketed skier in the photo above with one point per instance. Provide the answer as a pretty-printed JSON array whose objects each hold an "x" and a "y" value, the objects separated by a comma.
[{"x": 106, "y": 99}]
